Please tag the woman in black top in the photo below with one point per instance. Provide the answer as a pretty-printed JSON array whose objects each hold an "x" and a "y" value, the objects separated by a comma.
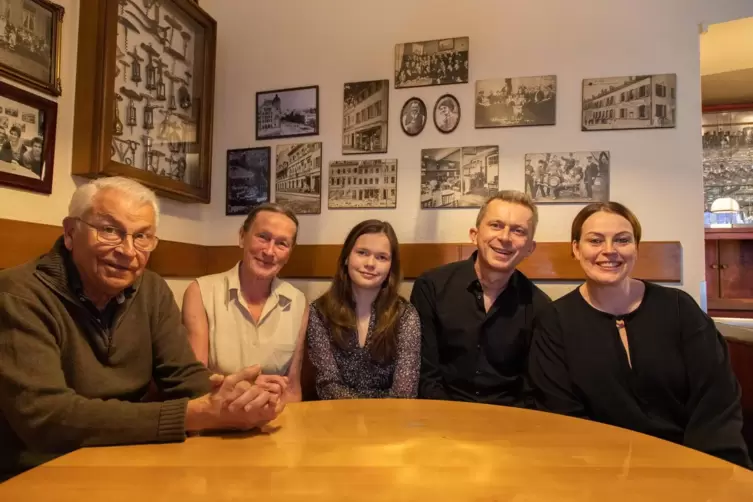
[{"x": 634, "y": 354}]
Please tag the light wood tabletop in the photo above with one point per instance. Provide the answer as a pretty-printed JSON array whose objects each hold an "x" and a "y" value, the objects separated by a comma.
[{"x": 363, "y": 450}]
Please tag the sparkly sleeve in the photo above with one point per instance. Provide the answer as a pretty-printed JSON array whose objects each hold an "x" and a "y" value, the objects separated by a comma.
[
  {"x": 408, "y": 362},
  {"x": 329, "y": 383}
]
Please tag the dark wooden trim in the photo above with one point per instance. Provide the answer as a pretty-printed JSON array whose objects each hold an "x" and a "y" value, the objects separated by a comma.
[
  {"x": 727, "y": 108},
  {"x": 730, "y": 304},
  {"x": 737, "y": 233},
  {"x": 659, "y": 261}
]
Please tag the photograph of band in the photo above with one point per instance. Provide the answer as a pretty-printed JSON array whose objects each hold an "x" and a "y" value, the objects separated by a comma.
[
  {"x": 433, "y": 62},
  {"x": 576, "y": 177},
  {"x": 458, "y": 177},
  {"x": 522, "y": 101},
  {"x": 365, "y": 113},
  {"x": 638, "y": 102},
  {"x": 727, "y": 159},
  {"x": 298, "y": 177},
  {"x": 363, "y": 184}
]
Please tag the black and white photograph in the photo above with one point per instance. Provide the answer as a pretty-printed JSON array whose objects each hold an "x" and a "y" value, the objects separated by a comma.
[
  {"x": 636, "y": 102},
  {"x": 298, "y": 177},
  {"x": 365, "y": 114},
  {"x": 287, "y": 113},
  {"x": 458, "y": 177},
  {"x": 365, "y": 184},
  {"x": 432, "y": 62},
  {"x": 27, "y": 139},
  {"x": 520, "y": 101},
  {"x": 30, "y": 33},
  {"x": 574, "y": 177},
  {"x": 447, "y": 113},
  {"x": 727, "y": 176},
  {"x": 248, "y": 175},
  {"x": 413, "y": 116}
]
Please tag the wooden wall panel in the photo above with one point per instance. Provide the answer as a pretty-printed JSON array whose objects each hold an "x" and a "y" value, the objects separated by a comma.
[{"x": 659, "y": 261}]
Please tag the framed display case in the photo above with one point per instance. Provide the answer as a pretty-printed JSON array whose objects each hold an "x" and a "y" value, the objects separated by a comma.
[{"x": 144, "y": 94}]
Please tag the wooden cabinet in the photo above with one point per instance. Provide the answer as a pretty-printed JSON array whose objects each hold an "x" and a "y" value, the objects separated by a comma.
[{"x": 729, "y": 272}]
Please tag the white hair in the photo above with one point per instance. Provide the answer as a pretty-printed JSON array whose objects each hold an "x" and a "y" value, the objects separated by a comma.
[{"x": 83, "y": 197}]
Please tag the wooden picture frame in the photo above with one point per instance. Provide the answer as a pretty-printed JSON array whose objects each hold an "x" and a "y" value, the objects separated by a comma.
[
  {"x": 155, "y": 125},
  {"x": 28, "y": 164},
  {"x": 270, "y": 124},
  {"x": 248, "y": 179},
  {"x": 36, "y": 66},
  {"x": 448, "y": 120}
]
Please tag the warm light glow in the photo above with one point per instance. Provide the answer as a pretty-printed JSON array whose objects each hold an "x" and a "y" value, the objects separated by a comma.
[{"x": 725, "y": 205}]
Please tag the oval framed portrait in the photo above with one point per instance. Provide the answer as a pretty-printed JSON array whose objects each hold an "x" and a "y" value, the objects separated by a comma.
[
  {"x": 447, "y": 113},
  {"x": 413, "y": 116}
]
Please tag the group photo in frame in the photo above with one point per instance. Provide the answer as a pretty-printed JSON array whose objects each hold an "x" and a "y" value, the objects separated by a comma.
[
  {"x": 432, "y": 62},
  {"x": 518, "y": 101},
  {"x": 568, "y": 177},
  {"x": 30, "y": 43},
  {"x": 27, "y": 139},
  {"x": 287, "y": 113},
  {"x": 248, "y": 179}
]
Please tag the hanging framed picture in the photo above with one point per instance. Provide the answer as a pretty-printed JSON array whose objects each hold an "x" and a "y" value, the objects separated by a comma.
[
  {"x": 145, "y": 95},
  {"x": 27, "y": 139},
  {"x": 447, "y": 113},
  {"x": 413, "y": 116},
  {"x": 30, "y": 40},
  {"x": 248, "y": 175},
  {"x": 287, "y": 113}
]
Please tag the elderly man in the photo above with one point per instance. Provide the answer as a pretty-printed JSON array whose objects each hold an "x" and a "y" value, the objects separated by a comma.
[{"x": 84, "y": 332}]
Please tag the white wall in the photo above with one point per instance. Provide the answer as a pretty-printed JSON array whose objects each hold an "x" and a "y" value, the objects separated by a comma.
[{"x": 288, "y": 43}]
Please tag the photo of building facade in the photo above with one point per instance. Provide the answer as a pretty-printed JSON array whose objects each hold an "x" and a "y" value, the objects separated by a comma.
[
  {"x": 363, "y": 184},
  {"x": 640, "y": 102},
  {"x": 365, "y": 112},
  {"x": 298, "y": 175},
  {"x": 270, "y": 114}
]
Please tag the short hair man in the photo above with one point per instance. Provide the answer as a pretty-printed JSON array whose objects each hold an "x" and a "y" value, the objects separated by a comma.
[
  {"x": 86, "y": 329},
  {"x": 477, "y": 314}
]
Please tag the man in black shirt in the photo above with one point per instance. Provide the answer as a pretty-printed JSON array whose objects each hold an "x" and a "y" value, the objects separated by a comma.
[{"x": 477, "y": 314}]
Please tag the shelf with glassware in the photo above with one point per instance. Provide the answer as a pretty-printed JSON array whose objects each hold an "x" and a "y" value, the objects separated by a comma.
[{"x": 158, "y": 79}]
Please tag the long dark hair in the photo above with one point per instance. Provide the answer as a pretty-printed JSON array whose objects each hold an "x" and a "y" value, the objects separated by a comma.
[{"x": 337, "y": 305}]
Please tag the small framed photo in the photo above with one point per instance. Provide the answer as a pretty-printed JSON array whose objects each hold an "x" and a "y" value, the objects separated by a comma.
[
  {"x": 413, "y": 116},
  {"x": 30, "y": 42},
  {"x": 298, "y": 177},
  {"x": 567, "y": 177},
  {"x": 27, "y": 139},
  {"x": 364, "y": 184},
  {"x": 248, "y": 179},
  {"x": 287, "y": 113},
  {"x": 447, "y": 113},
  {"x": 518, "y": 101},
  {"x": 459, "y": 176},
  {"x": 431, "y": 62},
  {"x": 634, "y": 102},
  {"x": 365, "y": 112}
]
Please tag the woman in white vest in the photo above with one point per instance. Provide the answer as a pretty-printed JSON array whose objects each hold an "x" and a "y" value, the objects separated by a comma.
[{"x": 246, "y": 315}]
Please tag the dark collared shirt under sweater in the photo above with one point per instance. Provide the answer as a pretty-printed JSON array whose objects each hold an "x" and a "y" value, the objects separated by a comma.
[{"x": 468, "y": 354}]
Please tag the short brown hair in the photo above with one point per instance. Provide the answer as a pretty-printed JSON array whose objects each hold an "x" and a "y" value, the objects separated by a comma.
[
  {"x": 271, "y": 207},
  {"x": 606, "y": 207},
  {"x": 514, "y": 197}
]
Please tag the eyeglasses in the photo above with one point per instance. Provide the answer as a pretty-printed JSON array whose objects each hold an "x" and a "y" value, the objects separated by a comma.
[{"x": 114, "y": 236}]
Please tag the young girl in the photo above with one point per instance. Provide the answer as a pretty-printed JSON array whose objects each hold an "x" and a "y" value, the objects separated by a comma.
[{"x": 364, "y": 339}]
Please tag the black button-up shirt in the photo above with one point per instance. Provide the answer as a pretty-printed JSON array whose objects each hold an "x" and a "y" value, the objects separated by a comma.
[{"x": 468, "y": 354}]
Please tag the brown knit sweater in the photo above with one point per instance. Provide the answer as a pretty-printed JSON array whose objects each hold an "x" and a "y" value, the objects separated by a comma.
[{"x": 68, "y": 381}]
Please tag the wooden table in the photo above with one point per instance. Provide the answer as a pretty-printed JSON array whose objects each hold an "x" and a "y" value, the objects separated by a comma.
[{"x": 391, "y": 450}]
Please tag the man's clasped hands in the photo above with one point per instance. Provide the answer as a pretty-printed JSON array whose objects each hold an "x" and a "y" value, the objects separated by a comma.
[{"x": 241, "y": 401}]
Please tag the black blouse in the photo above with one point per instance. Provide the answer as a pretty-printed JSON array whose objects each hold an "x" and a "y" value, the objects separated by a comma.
[{"x": 680, "y": 387}]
